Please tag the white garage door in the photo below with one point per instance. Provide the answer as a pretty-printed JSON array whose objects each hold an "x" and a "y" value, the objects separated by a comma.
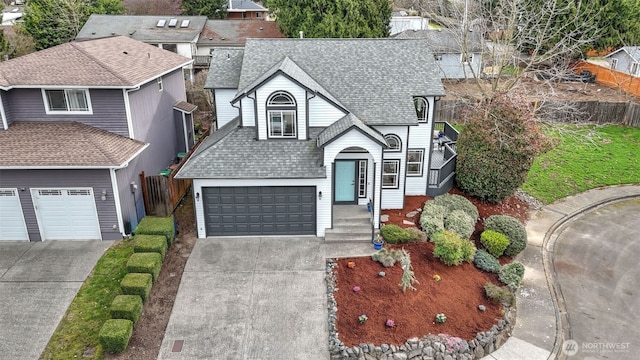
[
  {"x": 66, "y": 214},
  {"x": 12, "y": 225}
]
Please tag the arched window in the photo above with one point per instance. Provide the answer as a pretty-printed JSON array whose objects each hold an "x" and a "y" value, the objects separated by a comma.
[
  {"x": 394, "y": 142},
  {"x": 281, "y": 110},
  {"x": 422, "y": 109}
]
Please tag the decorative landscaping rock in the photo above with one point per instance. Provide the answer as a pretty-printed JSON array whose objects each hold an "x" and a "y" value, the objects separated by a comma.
[
  {"x": 483, "y": 308},
  {"x": 436, "y": 347},
  {"x": 407, "y": 222},
  {"x": 412, "y": 214},
  {"x": 382, "y": 274},
  {"x": 384, "y": 218}
]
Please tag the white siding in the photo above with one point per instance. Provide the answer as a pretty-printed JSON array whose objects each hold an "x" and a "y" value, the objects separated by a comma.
[
  {"x": 184, "y": 49},
  {"x": 420, "y": 138},
  {"x": 281, "y": 83},
  {"x": 323, "y": 206},
  {"x": 224, "y": 111},
  {"x": 394, "y": 198},
  {"x": 351, "y": 139},
  {"x": 322, "y": 113},
  {"x": 248, "y": 117}
]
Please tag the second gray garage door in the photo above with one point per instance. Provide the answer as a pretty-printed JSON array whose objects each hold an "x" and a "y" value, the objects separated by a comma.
[{"x": 266, "y": 210}]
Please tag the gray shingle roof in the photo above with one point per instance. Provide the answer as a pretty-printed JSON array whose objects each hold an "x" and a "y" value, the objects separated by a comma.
[
  {"x": 245, "y": 5},
  {"x": 633, "y": 51},
  {"x": 345, "y": 124},
  {"x": 224, "y": 72},
  {"x": 143, "y": 28},
  {"x": 116, "y": 61},
  {"x": 233, "y": 153},
  {"x": 64, "y": 143},
  {"x": 444, "y": 41},
  {"x": 373, "y": 78},
  {"x": 289, "y": 67}
]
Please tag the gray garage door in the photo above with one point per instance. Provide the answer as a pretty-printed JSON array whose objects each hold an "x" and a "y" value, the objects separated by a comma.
[{"x": 267, "y": 210}]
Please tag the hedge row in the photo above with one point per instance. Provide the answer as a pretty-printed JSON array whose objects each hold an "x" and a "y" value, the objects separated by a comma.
[{"x": 153, "y": 237}]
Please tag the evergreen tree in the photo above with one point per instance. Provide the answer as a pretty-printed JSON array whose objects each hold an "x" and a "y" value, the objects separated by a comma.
[{"x": 213, "y": 9}]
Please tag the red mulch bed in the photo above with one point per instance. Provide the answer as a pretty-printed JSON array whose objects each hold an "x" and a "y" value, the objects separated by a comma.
[{"x": 457, "y": 294}]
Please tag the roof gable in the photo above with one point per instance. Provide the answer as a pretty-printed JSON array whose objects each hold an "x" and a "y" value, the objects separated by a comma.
[
  {"x": 373, "y": 78},
  {"x": 344, "y": 125},
  {"x": 225, "y": 74},
  {"x": 109, "y": 62}
]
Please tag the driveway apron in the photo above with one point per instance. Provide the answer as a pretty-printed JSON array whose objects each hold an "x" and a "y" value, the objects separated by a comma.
[
  {"x": 38, "y": 281},
  {"x": 251, "y": 298},
  {"x": 596, "y": 262}
]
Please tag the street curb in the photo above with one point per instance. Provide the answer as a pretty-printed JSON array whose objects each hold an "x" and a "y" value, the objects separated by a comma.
[{"x": 563, "y": 326}]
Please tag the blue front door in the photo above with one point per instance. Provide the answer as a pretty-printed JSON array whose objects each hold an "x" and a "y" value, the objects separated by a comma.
[{"x": 345, "y": 182}]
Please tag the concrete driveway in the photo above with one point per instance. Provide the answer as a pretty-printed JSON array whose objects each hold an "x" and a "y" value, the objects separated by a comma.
[
  {"x": 253, "y": 298},
  {"x": 596, "y": 262},
  {"x": 38, "y": 281}
]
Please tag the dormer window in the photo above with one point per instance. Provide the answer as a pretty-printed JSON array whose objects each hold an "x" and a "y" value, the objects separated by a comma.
[
  {"x": 422, "y": 109},
  {"x": 394, "y": 143},
  {"x": 281, "y": 110}
]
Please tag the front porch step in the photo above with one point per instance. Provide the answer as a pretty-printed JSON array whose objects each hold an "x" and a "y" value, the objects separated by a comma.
[
  {"x": 351, "y": 223},
  {"x": 356, "y": 233}
]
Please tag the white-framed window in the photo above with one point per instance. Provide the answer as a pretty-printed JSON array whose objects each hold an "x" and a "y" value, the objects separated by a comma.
[
  {"x": 415, "y": 158},
  {"x": 390, "y": 171},
  {"x": 614, "y": 64},
  {"x": 635, "y": 69},
  {"x": 422, "y": 109},
  {"x": 466, "y": 58},
  {"x": 160, "y": 84},
  {"x": 67, "y": 101},
  {"x": 281, "y": 112},
  {"x": 394, "y": 143},
  {"x": 362, "y": 178}
]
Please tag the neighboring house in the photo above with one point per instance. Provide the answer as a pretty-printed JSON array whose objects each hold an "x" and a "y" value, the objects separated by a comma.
[
  {"x": 234, "y": 33},
  {"x": 309, "y": 124},
  {"x": 626, "y": 59},
  {"x": 80, "y": 122},
  {"x": 454, "y": 63},
  {"x": 401, "y": 21},
  {"x": 246, "y": 10},
  {"x": 178, "y": 34}
]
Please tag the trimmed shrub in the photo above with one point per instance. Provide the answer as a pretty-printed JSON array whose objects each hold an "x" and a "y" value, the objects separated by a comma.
[
  {"x": 394, "y": 234},
  {"x": 451, "y": 249},
  {"x": 457, "y": 202},
  {"x": 115, "y": 334},
  {"x": 432, "y": 218},
  {"x": 387, "y": 258},
  {"x": 486, "y": 262},
  {"x": 499, "y": 294},
  {"x": 149, "y": 263},
  {"x": 512, "y": 228},
  {"x": 137, "y": 284},
  {"x": 460, "y": 222},
  {"x": 494, "y": 242},
  {"x": 152, "y": 225},
  {"x": 126, "y": 307},
  {"x": 512, "y": 274},
  {"x": 150, "y": 243}
]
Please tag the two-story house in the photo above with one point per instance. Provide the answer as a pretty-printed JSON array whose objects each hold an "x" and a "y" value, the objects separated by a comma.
[
  {"x": 79, "y": 122},
  {"x": 306, "y": 125}
]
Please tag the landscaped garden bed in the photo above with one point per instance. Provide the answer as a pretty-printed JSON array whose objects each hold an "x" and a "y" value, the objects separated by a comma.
[{"x": 449, "y": 311}]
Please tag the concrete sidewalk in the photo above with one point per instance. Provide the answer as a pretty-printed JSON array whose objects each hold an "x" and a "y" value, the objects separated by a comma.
[
  {"x": 38, "y": 281},
  {"x": 538, "y": 333}
]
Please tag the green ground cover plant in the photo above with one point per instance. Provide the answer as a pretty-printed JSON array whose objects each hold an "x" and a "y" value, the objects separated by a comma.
[
  {"x": 576, "y": 164},
  {"x": 78, "y": 330}
]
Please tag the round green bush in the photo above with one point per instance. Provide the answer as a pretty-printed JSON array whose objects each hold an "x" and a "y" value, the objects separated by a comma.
[
  {"x": 494, "y": 242},
  {"x": 453, "y": 202},
  {"x": 512, "y": 228},
  {"x": 394, "y": 234},
  {"x": 432, "y": 218},
  {"x": 460, "y": 222},
  {"x": 451, "y": 249},
  {"x": 416, "y": 235},
  {"x": 512, "y": 274},
  {"x": 486, "y": 262}
]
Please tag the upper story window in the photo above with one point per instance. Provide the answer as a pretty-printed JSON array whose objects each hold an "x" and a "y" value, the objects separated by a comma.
[
  {"x": 281, "y": 112},
  {"x": 394, "y": 142},
  {"x": 67, "y": 101},
  {"x": 160, "y": 87},
  {"x": 422, "y": 109},
  {"x": 635, "y": 69}
]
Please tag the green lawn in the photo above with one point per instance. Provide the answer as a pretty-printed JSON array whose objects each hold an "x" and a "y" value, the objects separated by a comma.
[
  {"x": 577, "y": 165},
  {"x": 77, "y": 334}
]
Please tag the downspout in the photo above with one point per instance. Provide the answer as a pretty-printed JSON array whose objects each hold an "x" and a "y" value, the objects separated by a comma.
[
  {"x": 5, "y": 124},
  {"x": 255, "y": 114},
  {"x": 307, "y": 112},
  {"x": 116, "y": 199},
  {"x": 127, "y": 109}
]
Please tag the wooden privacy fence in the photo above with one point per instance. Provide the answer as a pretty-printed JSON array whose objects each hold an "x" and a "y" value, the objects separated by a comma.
[
  {"x": 161, "y": 193},
  {"x": 598, "y": 112},
  {"x": 609, "y": 77}
]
